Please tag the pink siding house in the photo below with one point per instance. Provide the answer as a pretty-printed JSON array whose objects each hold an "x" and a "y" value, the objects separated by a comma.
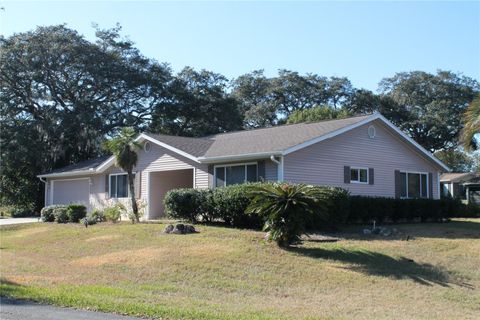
[{"x": 367, "y": 155}]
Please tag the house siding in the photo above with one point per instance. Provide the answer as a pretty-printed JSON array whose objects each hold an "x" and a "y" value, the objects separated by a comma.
[
  {"x": 270, "y": 171},
  {"x": 323, "y": 163}
]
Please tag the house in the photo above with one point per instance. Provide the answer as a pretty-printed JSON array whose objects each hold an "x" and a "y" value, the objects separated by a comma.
[
  {"x": 367, "y": 155},
  {"x": 464, "y": 186}
]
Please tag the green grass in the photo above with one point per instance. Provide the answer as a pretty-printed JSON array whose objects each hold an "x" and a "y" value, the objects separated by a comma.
[{"x": 223, "y": 273}]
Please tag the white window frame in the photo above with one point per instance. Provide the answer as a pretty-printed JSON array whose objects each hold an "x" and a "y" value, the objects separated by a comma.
[
  {"x": 358, "y": 181},
  {"x": 406, "y": 184},
  {"x": 224, "y": 166},
  {"x": 110, "y": 185}
]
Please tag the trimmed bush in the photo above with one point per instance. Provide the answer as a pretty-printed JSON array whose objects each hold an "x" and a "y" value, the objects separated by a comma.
[
  {"x": 333, "y": 212},
  {"x": 367, "y": 209},
  {"x": 229, "y": 205},
  {"x": 75, "y": 212},
  {"x": 187, "y": 204},
  {"x": 46, "y": 214},
  {"x": 60, "y": 214}
]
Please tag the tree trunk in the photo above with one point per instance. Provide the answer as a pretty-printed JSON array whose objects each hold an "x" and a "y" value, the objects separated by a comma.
[{"x": 132, "y": 195}]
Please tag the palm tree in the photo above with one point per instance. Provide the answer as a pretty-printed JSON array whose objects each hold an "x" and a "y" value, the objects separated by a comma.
[
  {"x": 286, "y": 209},
  {"x": 124, "y": 149},
  {"x": 472, "y": 125}
]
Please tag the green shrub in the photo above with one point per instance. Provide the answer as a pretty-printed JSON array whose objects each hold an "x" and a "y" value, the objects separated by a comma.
[
  {"x": 88, "y": 220},
  {"x": 97, "y": 215},
  {"x": 46, "y": 214},
  {"x": 367, "y": 209},
  {"x": 75, "y": 212},
  {"x": 286, "y": 209},
  {"x": 229, "y": 205},
  {"x": 16, "y": 212},
  {"x": 186, "y": 204},
  {"x": 333, "y": 212},
  {"x": 60, "y": 214},
  {"x": 113, "y": 213}
]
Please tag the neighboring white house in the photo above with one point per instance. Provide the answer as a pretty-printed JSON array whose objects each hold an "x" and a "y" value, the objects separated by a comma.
[{"x": 367, "y": 155}]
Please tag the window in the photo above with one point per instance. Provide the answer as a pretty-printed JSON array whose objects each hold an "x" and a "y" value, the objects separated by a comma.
[
  {"x": 413, "y": 185},
  {"x": 358, "y": 175},
  {"x": 119, "y": 185},
  {"x": 235, "y": 174}
]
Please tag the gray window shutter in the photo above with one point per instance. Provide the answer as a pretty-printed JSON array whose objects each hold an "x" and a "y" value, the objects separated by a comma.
[
  {"x": 398, "y": 191},
  {"x": 107, "y": 186},
  {"x": 371, "y": 176},
  {"x": 210, "y": 175},
  {"x": 430, "y": 185},
  {"x": 346, "y": 174},
  {"x": 137, "y": 184},
  {"x": 261, "y": 170}
]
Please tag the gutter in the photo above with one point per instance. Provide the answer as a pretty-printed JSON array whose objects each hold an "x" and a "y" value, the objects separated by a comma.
[
  {"x": 279, "y": 164},
  {"x": 247, "y": 156}
]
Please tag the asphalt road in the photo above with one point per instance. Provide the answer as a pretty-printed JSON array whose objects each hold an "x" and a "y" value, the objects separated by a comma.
[{"x": 11, "y": 309}]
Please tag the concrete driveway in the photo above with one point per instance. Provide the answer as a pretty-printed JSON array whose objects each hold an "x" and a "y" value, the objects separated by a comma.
[
  {"x": 10, "y": 221},
  {"x": 11, "y": 309}
]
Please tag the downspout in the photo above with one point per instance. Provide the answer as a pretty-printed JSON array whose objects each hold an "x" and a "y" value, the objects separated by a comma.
[
  {"x": 279, "y": 167},
  {"x": 45, "y": 196}
]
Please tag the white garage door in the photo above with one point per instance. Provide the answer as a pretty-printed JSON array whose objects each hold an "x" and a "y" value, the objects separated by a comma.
[{"x": 71, "y": 191}]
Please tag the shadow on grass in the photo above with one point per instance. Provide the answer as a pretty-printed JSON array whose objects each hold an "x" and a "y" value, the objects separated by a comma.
[
  {"x": 10, "y": 289},
  {"x": 378, "y": 264},
  {"x": 439, "y": 230}
]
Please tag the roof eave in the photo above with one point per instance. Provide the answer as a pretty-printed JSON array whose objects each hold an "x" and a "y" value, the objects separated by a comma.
[
  {"x": 67, "y": 173},
  {"x": 239, "y": 157}
]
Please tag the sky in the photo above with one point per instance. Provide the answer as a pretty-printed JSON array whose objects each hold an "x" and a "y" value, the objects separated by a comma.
[{"x": 364, "y": 41}]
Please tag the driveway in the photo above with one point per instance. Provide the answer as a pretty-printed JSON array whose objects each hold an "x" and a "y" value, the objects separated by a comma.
[
  {"x": 10, "y": 221},
  {"x": 11, "y": 309}
]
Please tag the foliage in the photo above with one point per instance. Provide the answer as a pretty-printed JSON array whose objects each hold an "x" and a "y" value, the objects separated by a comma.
[
  {"x": 334, "y": 211},
  {"x": 456, "y": 160},
  {"x": 269, "y": 101},
  {"x": 16, "y": 212},
  {"x": 60, "y": 214},
  {"x": 367, "y": 209},
  {"x": 286, "y": 209},
  {"x": 124, "y": 147},
  {"x": 196, "y": 104},
  {"x": 75, "y": 212},
  {"x": 472, "y": 125},
  {"x": 113, "y": 213},
  {"x": 187, "y": 204},
  {"x": 46, "y": 214},
  {"x": 429, "y": 107},
  {"x": 229, "y": 204},
  {"x": 57, "y": 106},
  {"x": 88, "y": 220},
  {"x": 97, "y": 215},
  {"x": 317, "y": 113}
]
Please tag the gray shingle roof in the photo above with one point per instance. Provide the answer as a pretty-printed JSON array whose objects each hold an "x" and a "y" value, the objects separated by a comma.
[
  {"x": 196, "y": 147},
  {"x": 264, "y": 140},
  {"x": 81, "y": 166}
]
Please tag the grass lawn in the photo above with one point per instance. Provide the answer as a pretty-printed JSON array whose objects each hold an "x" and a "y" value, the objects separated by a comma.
[{"x": 224, "y": 273}]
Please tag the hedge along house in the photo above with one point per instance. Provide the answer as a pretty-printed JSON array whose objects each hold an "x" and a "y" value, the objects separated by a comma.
[{"x": 367, "y": 155}]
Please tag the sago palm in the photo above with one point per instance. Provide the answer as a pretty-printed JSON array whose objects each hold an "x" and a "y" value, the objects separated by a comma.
[
  {"x": 472, "y": 125},
  {"x": 286, "y": 208},
  {"x": 124, "y": 147}
]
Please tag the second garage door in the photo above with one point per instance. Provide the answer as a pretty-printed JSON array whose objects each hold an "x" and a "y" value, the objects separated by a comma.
[{"x": 71, "y": 191}]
